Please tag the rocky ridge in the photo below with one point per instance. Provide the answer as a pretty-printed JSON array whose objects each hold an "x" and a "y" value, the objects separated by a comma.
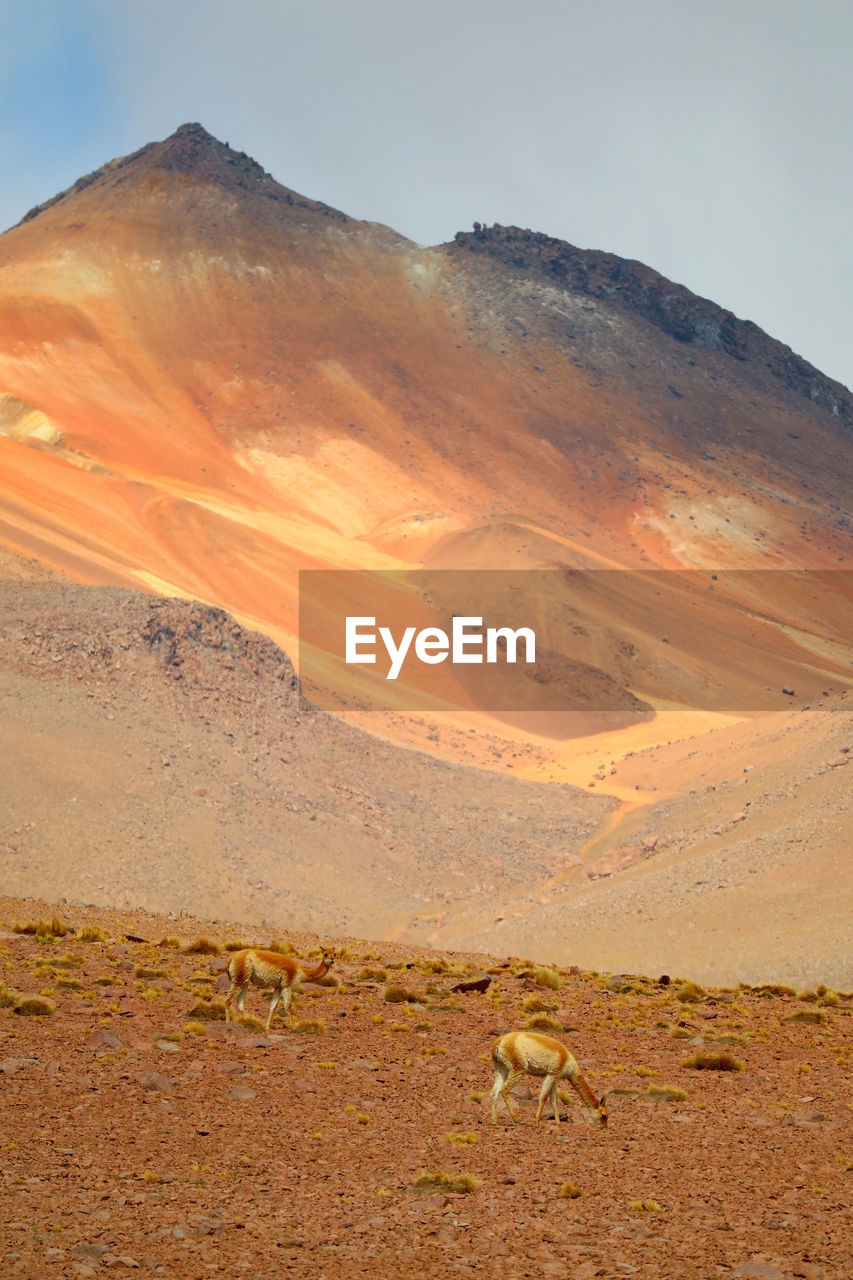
[{"x": 670, "y": 307}]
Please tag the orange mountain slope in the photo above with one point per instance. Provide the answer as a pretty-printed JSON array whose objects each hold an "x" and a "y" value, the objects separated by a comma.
[{"x": 209, "y": 382}]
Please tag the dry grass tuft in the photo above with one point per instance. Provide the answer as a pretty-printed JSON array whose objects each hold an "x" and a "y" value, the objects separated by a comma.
[
  {"x": 543, "y": 1022},
  {"x": 569, "y": 1191},
  {"x": 204, "y": 1011},
  {"x": 284, "y": 948},
  {"x": 34, "y": 1007},
  {"x": 203, "y": 947},
  {"x": 646, "y": 1206},
  {"x": 92, "y": 933},
  {"x": 701, "y": 1061},
  {"x": 813, "y": 1016},
  {"x": 55, "y": 927},
  {"x": 460, "y": 1183},
  {"x": 169, "y": 943},
  {"x": 8, "y": 997},
  {"x": 545, "y": 976},
  {"x": 535, "y": 1004},
  {"x": 195, "y": 1028},
  {"x": 63, "y": 962},
  {"x": 691, "y": 993},
  {"x": 310, "y": 1027},
  {"x": 666, "y": 1093},
  {"x": 253, "y": 1023},
  {"x": 402, "y": 995},
  {"x": 143, "y": 971},
  {"x": 464, "y": 1139},
  {"x": 371, "y": 973}
]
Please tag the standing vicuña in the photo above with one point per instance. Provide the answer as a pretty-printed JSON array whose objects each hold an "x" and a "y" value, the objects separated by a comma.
[
  {"x": 521, "y": 1053},
  {"x": 270, "y": 969}
]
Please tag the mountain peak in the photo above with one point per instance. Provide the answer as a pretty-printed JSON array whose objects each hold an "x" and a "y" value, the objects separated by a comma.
[{"x": 193, "y": 151}]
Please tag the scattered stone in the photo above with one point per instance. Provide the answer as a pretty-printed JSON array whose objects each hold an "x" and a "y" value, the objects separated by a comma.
[
  {"x": 10, "y": 1066},
  {"x": 478, "y": 984},
  {"x": 230, "y": 1068},
  {"x": 84, "y": 1250},
  {"x": 241, "y": 1093},
  {"x": 755, "y": 1269},
  {"x": 805, "y": 1119},
  {"x": 156, "y": 1081}
]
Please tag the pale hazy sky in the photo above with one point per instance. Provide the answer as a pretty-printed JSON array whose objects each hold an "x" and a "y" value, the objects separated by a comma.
[{"x": 710, "y": 139}]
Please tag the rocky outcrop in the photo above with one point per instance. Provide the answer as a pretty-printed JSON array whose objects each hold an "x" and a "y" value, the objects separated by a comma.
[{"x": 679, "y": 313}]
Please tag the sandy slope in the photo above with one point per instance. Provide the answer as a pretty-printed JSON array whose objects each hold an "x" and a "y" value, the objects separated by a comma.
[{"x": 158, "y": 756}]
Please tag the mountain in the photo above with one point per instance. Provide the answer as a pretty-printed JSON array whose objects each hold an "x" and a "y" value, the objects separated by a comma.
[{"x": 209, "y": 382}]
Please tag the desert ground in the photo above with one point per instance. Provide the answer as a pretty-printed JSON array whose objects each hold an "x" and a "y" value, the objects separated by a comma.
[{"x": 139, "y": 1131}]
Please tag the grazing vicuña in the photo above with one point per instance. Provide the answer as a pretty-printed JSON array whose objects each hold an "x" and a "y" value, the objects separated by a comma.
[
  {"x": 270, "y": 969},
  {"x": 520, "y": 1053}
]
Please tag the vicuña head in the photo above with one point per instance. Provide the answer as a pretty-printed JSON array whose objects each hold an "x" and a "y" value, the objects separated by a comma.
[
  {"x": 520, "y": 1053},
  {"x": 270, "y": 969}
]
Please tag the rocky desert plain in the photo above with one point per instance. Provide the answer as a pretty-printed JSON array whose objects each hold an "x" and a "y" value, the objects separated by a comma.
[{"x": 208, "y": 384}]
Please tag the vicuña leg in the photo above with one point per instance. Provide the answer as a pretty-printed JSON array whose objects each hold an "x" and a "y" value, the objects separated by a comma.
[
  {"x": 287, "y": 996},
  {"x": 549, "y": 1089},
  {"x": 500, "y": 1076},
  {"x": 509, "y": 1083},
  {"x": 276, "y": 996},
  {"x": 236, "y": 994}
]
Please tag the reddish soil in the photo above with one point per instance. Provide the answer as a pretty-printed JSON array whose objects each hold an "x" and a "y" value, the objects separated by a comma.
[{"x": 134, "y": 1139}]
